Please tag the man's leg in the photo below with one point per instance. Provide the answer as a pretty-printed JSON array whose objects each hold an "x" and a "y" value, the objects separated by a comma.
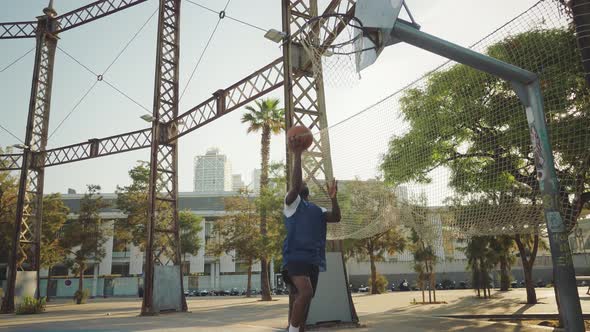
[
  {"x": 313, "y": 278},
  {"x": 302, "y": 300}
]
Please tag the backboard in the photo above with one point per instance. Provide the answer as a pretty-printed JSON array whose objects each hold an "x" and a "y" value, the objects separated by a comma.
[{"x": 379, "y": 16}]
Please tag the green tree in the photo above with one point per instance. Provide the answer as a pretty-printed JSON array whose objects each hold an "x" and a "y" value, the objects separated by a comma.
[
  {"x": 579, "y": 11},
  {"x": 191, "y": 226},
  {"x": 504, "y": 207},
  {"x": 503, "y": 247},
  {"x": 238, "y": 232},
  {"x": 474, "y": 124},
  {"x": 269, "y": 119},
  {"x": 133, "y": 201},
  {"x": 55, "y": 215},
  {"x": 423, "y": 237},
  {"x": 372, "y": 202},
  {"x": 272, "y": 200},
  {"x": 481, "y": 261},
  {"x": 424, "y": 264},
  {"x": 528, "y": 246},
  {"x": 86, "y": 236},
  {"x": 8, "y": 197}
]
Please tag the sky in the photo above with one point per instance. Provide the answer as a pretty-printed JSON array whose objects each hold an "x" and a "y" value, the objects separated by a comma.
[{"x": 234, "y": 52}]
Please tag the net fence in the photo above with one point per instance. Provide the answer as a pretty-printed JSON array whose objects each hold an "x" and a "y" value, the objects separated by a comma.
[{"x": 451, "y": 152}]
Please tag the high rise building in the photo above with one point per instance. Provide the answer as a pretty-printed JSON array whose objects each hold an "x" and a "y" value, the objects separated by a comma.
[
  {"x": 255, "y": 184},
  {"x": 212, "y": 172},
  {"x": 237, "y": 182}
]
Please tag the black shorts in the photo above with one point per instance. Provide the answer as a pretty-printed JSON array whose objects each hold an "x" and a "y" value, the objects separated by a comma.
[{"x": 301, "y": 269}]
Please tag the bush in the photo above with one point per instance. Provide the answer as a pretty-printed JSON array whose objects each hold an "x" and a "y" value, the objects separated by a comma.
[
  {"x": 31, "y": 305},
  {"x": 381, "y": 284},
  {"x": 81, "y": 296}
]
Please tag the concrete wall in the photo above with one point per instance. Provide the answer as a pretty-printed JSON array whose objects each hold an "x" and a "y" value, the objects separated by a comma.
[
  {"x": 456, "y": 270},
  {"x": 123, "y": 286}
]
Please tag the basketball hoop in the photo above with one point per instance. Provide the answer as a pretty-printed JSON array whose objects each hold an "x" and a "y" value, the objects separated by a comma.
[{"x": 338, "y": 46}]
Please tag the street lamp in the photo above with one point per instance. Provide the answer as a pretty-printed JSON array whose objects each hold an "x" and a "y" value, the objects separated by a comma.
[
  {"x": 20, "y": 146},
  {"x": 147, "y": 118},
  {"x": 275, "y": 35}
]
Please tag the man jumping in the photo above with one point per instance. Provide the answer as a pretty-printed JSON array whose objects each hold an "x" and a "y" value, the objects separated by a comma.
[{"x": 304, "y": 248}]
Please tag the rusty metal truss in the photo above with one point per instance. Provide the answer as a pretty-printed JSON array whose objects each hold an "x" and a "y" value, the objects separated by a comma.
[
  {"x": 255, "y": 85},
  {"x": 163, "y": 235},
  {"x": 69, "y": 20},
  {"x": 92, "y": 12},
  {"x": 11, "y": 162},
  {"x": 224, "y": 101},
  {"x": 10, "y": 30},
  {"x": 305, "y": 101},
  {"x": 26, "y": 241},
  {"x": 304, "y": 94}
]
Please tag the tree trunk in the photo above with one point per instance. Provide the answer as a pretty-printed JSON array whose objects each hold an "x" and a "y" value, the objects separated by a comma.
[
  {"x": 81, "y": 283},
  {"x": 527, "y": 267},
  {"x": 531, "y": 295},
  {"x": 429, "y": 285},
  {"x": 483, "y": 278},
  {"x": 264, "y": 154},
  {"x": 374, "y": 289},
  {"x": 581, "y": 14},
  {"x": 48, "y": 285},
  {"x": 433, "y": 283},
  {"x": 249, "y": 284},
  {"x": 504, "y": 275}
]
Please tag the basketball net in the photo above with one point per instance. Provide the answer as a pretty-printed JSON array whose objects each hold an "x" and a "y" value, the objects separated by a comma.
[{"x": 332, "y": 43}]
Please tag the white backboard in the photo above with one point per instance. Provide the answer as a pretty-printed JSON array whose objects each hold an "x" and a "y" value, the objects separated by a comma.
[{"x": 380, "y": 14}]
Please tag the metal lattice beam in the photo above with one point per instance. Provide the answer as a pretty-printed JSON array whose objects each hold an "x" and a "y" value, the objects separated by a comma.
[
  {"x": 163, "y": 238},
  {"x": 255, "y": 85},
  {"x": 69, "y": 20},
  {"x": 224, "y": 101},
  {"x": 93, "y": 11},
  {"x": 99, "y": 147},
  {"x": 11, "y": 30},
  {"x": 25, "y": 253},
  {"x": 11, "y": 162}
]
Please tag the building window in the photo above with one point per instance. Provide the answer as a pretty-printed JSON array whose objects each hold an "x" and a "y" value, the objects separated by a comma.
[
  {"x": 186, "y": 268},
  {"x": 89, "y": 270},
  {"x": 241, "y": 267},
  {"x": 207, "y": 270},
  {"x": 121, "y": 269},
  {"x": 59, "y": 271}
]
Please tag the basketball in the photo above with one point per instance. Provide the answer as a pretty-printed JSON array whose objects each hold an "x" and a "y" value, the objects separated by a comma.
[{"x": 302, "y": 133}]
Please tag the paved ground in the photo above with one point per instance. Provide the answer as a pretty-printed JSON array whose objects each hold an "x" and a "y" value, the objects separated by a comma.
[{"x": 387, "y": 312}]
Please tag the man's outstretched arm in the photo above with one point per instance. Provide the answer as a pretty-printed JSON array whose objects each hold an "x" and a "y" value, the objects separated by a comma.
[
  {"x": 296, "y": 174},
  {"x": 334, "y": 215}
]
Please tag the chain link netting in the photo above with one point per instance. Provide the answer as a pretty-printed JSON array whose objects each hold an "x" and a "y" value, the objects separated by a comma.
[{"x": 451, "y": 153}]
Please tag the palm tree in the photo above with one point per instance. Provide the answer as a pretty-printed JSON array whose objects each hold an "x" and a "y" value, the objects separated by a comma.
[
  {"x": 503, "y": 247},
  {"x": 268, "y": 119},
  {"x": 480, "y": 260}
]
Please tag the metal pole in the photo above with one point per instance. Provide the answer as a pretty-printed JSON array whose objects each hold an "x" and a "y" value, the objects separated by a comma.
[
  {"x": 561, "y": 255},
  {"x": 527, "y": 87},
  {"x": 26, "y": 241},
  {"x": 163, "y": 236}
]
